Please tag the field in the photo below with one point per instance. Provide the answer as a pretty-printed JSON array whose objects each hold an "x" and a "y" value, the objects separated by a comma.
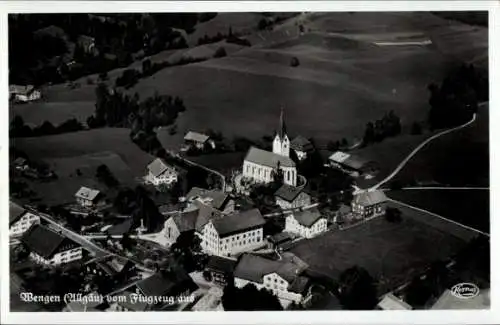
[
  {"x": 469, "y": 207},
  {"x": 84, "y": 151},
  {"x": 392, "y": 253}
]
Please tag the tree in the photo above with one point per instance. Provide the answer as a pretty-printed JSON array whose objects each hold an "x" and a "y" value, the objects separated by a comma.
[
  {"x": 294, "y": 62},
  {"x": 249, "y": 298},
  {"x": 103, "y": 174},
  {"x": 369, "y": 136},
  {"x": 146, "y": 66},
  {"x": 187, "y": 251},
  {"x": 416, "y": 128},
  {"x": 393, "y": 215},
  {"x": 126, "y": 241},
  {"x": 220, "y": 52},
  {"x": 277, "y": 175},
  {"x": 357, "y": 289}
]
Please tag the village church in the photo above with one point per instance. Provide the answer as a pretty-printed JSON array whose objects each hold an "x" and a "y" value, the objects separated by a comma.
[{"x": 260, "y": 165}]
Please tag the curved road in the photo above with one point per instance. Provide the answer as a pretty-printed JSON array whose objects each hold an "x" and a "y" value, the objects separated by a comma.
[{"x": 417, "y": 149}]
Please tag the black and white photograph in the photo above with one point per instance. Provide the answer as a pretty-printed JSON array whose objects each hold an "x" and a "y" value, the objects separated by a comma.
[{"x": 212, "y": 160}]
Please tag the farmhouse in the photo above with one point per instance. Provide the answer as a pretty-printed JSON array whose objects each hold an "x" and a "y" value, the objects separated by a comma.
[
  {"x": 261, "y": 166},
  {"x": 289, "y": 197},
  {"x": 232, "y": 234},
  {"x": 307, "y": 223},
  {"x": 351, "y": 164},
  {"x": 214, "y": 198},
  {"x": 158, "y": 173},
  {"x": 368, "y": 204},
  {"x": 20, "y": 220},
  {"x": 49, "y": 247},
  {"x": 220, "y": 269},
  {"x": 301, "y": 146},
  {"x": 198, "y": 140},
  {"x": 24, "y": 93},
  {"x": 281, "y": 277},
  {"x": 87, "y": 197},
  {"x": 391, "y": 302}
]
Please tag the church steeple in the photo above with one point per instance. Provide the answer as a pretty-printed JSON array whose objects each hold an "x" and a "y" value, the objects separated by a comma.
[
  {"x": 282, "y": 127},
  {"x": 281, "y": 143}
]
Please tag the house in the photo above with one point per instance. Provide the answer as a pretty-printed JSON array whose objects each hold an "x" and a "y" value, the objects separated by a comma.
[
  {"x": 158, "y": 172},
  {"x": 449, "y": 301},
  {"x": 156, "y": 291},
  {"x": 351, "y": 164},
  {"x": 282, "y": 278},
  {"x": 20, "y": 220},
  {"x": 260, "y": 165},
  {"x": 87, "y": 197},
  {"x": 369, "y": 204},
  {"x": 221, "y": 269},
  {"x": 232, "y": 234},
  {"x": 276, "y": 240},
  {"x": 307, "y": 223},
  {"x": 301, "y": 146},
  {"x": 93, "y": 302},
  {"x": 50, "y": 247},
  {"x": 26, "y": 93},
  {"x": 290, "y": 197},
  {"x": 214, "y": 198},
  {"x": 198, "y": 140},
  {"x": 114, "y": 268},
  {"x": 391, "y": 302}
]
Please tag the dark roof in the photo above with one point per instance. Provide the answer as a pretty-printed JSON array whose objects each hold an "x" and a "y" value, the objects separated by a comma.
[
  {"x": 301, "y": 144},
  {"x": 186, "y": 221},
  {"x": 15, "y": 212},
  {"x": 158, "y": 167},
  {"x": 221, "y": 264},
  {"x": 299, "y": 285},
  {"x": 121, "y": 228},
  {"x": 288, "y": 192},
  {"x": 238, "y": 222},
  {"x": 267, "y": 158},
  {"x": 205, "y": 214},
  {"x": 44, "y": 241},
  {"x": 216, "y": 198},
  {"x": 308, "y": 217},
  {"x": 368, "y": 198},
  {"x": 254, "y": 268},
  {"x": 165, "y": 283},
  {"x": 343, "y": 209},
  {"x": 280, "y": 238}
]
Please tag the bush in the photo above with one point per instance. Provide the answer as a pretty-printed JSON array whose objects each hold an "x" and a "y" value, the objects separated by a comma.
[
  {"x": 393, "y": 215},
  {"x": 294, "y": 62},
  {"x": 220, "y": 52}
]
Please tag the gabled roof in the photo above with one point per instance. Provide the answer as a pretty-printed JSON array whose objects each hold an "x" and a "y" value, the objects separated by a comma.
[
  {"x": 44, "y": 241},
  {"x": 288, "y": 193},
  {"x": 217, "y": 199},
  {"x": 254, "y": 268},
  {"x": 186, "y": 220},
  {"x": 299, "y": 285},
  {"x": 121, "y": 228},
  {"x": 196, "y": 137},
  {"x": 238, "y": 222},
  {"x": 267, "y": 158},
  {"x": 368, "y": 198},
  {"x": 21, "y": 90},
  {"x": 157, "y": 167},
  {"x": 87, "y": 193},
  {"x": 165, "y": 283},
  {"x": 301, "y": 144},
  {"x": 195, "y": 216},
  {"x": 391, "y": 302},
  {"x": 221, "y": 264},
  {"x": 280, "y": 238},
  {"x": 307, "y": 218},
  {"x": 347, "y": 159},
  {"x": 15, "y": 212}
]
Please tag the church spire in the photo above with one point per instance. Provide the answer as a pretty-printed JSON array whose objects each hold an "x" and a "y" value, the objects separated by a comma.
[{"x": 282, "y": 128}]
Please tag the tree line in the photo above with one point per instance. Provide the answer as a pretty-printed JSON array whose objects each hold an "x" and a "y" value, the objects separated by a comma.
[
  {"x": 18, "y": 128},
  {"x": 387, "y": 126}
]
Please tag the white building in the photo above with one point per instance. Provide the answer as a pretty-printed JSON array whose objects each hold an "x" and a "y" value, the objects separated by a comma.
[
  {"x": 158, "y": 172},
  {"x": 260, "y": 165},
  {"x": 301, "y": 146},
  {"x": 87, "y": 197},
  {"x": 49, "y": 247},
  {"x": 24, "y": 93},
  {"x": 214, "y": 198},
  {"x": 290, "y": 197},
  {"x": 307, "y": 223},
  {"x": 369, "y": 204},
  {"x": 280, "y": 277},
  {"x": 198, "y": 140},
  {"x": 20, "y": 220},
  {"x": 232, "y": 234}
]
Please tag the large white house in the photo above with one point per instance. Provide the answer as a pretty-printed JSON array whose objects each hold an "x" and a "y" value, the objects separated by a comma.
[
  {"x": 260, "y": 165},
  {"x": 281, "y": 277},
  {"x": 307, "y": 223},
  {"x": 369, "y": 204},
  {"x": 87, "y": 197},
  {"x": 49, "y": 247},
  {"x": 24, "y": 93},
  {"x": 20, "y": 220},
  {"x": 158, "y": 172},
  {"x": 235, "y": 233}
]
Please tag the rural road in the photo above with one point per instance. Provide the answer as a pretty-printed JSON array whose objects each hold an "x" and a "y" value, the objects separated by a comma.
[{"x": 417, "y": 149}]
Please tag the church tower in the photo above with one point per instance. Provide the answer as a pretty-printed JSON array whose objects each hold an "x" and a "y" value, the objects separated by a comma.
[{"x": 281, "y": 143}]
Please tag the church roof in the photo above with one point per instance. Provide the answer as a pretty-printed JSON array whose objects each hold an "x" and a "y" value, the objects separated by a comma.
[{"x": 267, "y": 158}]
